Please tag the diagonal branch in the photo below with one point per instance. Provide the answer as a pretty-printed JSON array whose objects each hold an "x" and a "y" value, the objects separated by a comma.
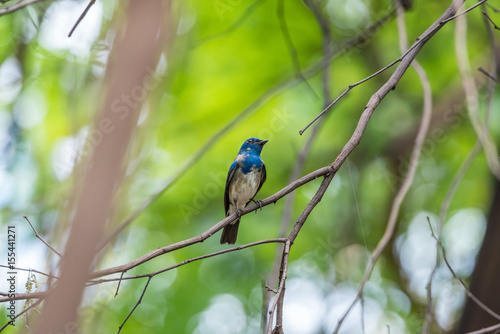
[
  {"x": 27, "y": 309},
  {"x": 91, "y": 3},
  {"x": 289, "y": 44},
  {"x": 203, "y": 236},
  {"x": 467, "y": 291},
  {"x": 490, "y": 329},
  {"x": 206, "y": 256},
  {"x": 304, "y": 152},
  {"x": 17, "y": 6},
  {"x": 391, "y": 224},
  {"x": 418, "y": 44},
  {"x": 41, "y": 239},
  {"x": 135, "y": 306}
]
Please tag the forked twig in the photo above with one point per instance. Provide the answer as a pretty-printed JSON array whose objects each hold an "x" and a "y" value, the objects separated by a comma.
[
  {"x": 136, "y": 304},
  {"x": 41, "y": 239}
]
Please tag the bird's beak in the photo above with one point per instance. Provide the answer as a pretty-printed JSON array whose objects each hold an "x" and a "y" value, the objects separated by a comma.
[{"x": 262, "y": 142}]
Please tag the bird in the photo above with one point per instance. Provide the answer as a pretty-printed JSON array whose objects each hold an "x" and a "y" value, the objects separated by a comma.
[{"x": 246, "y": 176}]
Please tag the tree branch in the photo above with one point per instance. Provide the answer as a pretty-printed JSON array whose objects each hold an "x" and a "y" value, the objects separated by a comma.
[
  {"x": 203, "y": 236},
  {"x": 278, "y": 299},
  {"x": 418, "y": 44},
  {"x": 17, "y": 6},
  {"x": 304, "y": 153},
  {"x": 91, "y": 3},
  {"x": 135, "y": 306},
  {"x": 391, "y": 224},
  {"x": 467, "y": 291},
  {"x": 41, "y": 239}
]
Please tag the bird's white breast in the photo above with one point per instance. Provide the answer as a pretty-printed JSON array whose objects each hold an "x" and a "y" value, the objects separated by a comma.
[{"x": 243, "y": 188}]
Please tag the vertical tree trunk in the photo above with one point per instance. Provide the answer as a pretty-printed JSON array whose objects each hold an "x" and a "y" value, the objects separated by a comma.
[{"x": 131, "y": 63}]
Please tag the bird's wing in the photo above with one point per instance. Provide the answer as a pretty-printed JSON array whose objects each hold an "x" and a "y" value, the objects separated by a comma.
[
  {"x": 263, "y": 176},
  {"x": 228, "y": 181}
]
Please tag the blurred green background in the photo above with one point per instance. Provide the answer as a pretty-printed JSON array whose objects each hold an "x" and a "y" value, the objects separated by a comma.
[{"x": 229, "y": 57}]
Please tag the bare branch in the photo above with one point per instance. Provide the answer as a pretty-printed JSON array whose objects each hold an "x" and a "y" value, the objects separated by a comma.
[
  {"x": 486, "y": 330},
  {"x": 467, "y": 291},
  {"x": 492, "y": 77},
  {"x": 422, "y": 132},
  {"x": 29, "y": 270},
  {"x": 304, "y": 153},
  {"x": 119, "y": 283},
  {"x": 206, "y": 256},
  {"x": 32, "y": 306},
  {"x": 23, "y": 296},
  {"x": 471, "y": 93},
  {"x": 135, "y": 306},
  {"x": 41, "y": 239},
  {"x": 289, "y": 44},
  {"x": 17, "y": 6},
  {"x": 91, "y": 3},
  {"x": 281, "y": 290},
  {"x": 203, "y": 236},
  {"x": 465, "y": 11},
  {"x": 491, "y": 21},
  {"x": 419, "y": 43}
]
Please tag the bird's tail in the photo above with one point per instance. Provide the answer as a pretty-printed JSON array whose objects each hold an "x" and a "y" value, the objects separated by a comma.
[{"x": 230, "y": 233}]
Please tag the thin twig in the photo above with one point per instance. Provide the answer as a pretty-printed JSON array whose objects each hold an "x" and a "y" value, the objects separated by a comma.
[
  {"x": 137, "y": 304},
  {"x": 442, "y": 216},
  {"x": 465, "y": 11},
  {"x": 206, "y": 256},
  {"x": 21, "y": 313},
  {"x": 486, "y": 330},
  {"x": 281, "y": 287},
  {"x": 467, "y": 291},
  {"x": 17, "y": 6},
  {"x": 119, "y": 282},
  {"x": 41, "y": 239},
  {"x": 41, "y": 295},
  {"x": 492, "y": 77},
  {"x": 28, "y": 270},
  {"x": 285, "y": 32},
  {"x": 489, "y": 19},
  {"x": 90, "y": 4},
  {"x": 419, "y": 41},
  {"x": 23, "y": 296}
]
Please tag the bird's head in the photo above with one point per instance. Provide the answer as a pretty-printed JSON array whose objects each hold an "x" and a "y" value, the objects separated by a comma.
[{"x": 252, "y": 145}]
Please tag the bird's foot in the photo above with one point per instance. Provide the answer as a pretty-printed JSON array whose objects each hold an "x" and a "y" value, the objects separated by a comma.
[
  {"x": 238, "y": 213},
  {"x": 259, "y": 203}
]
